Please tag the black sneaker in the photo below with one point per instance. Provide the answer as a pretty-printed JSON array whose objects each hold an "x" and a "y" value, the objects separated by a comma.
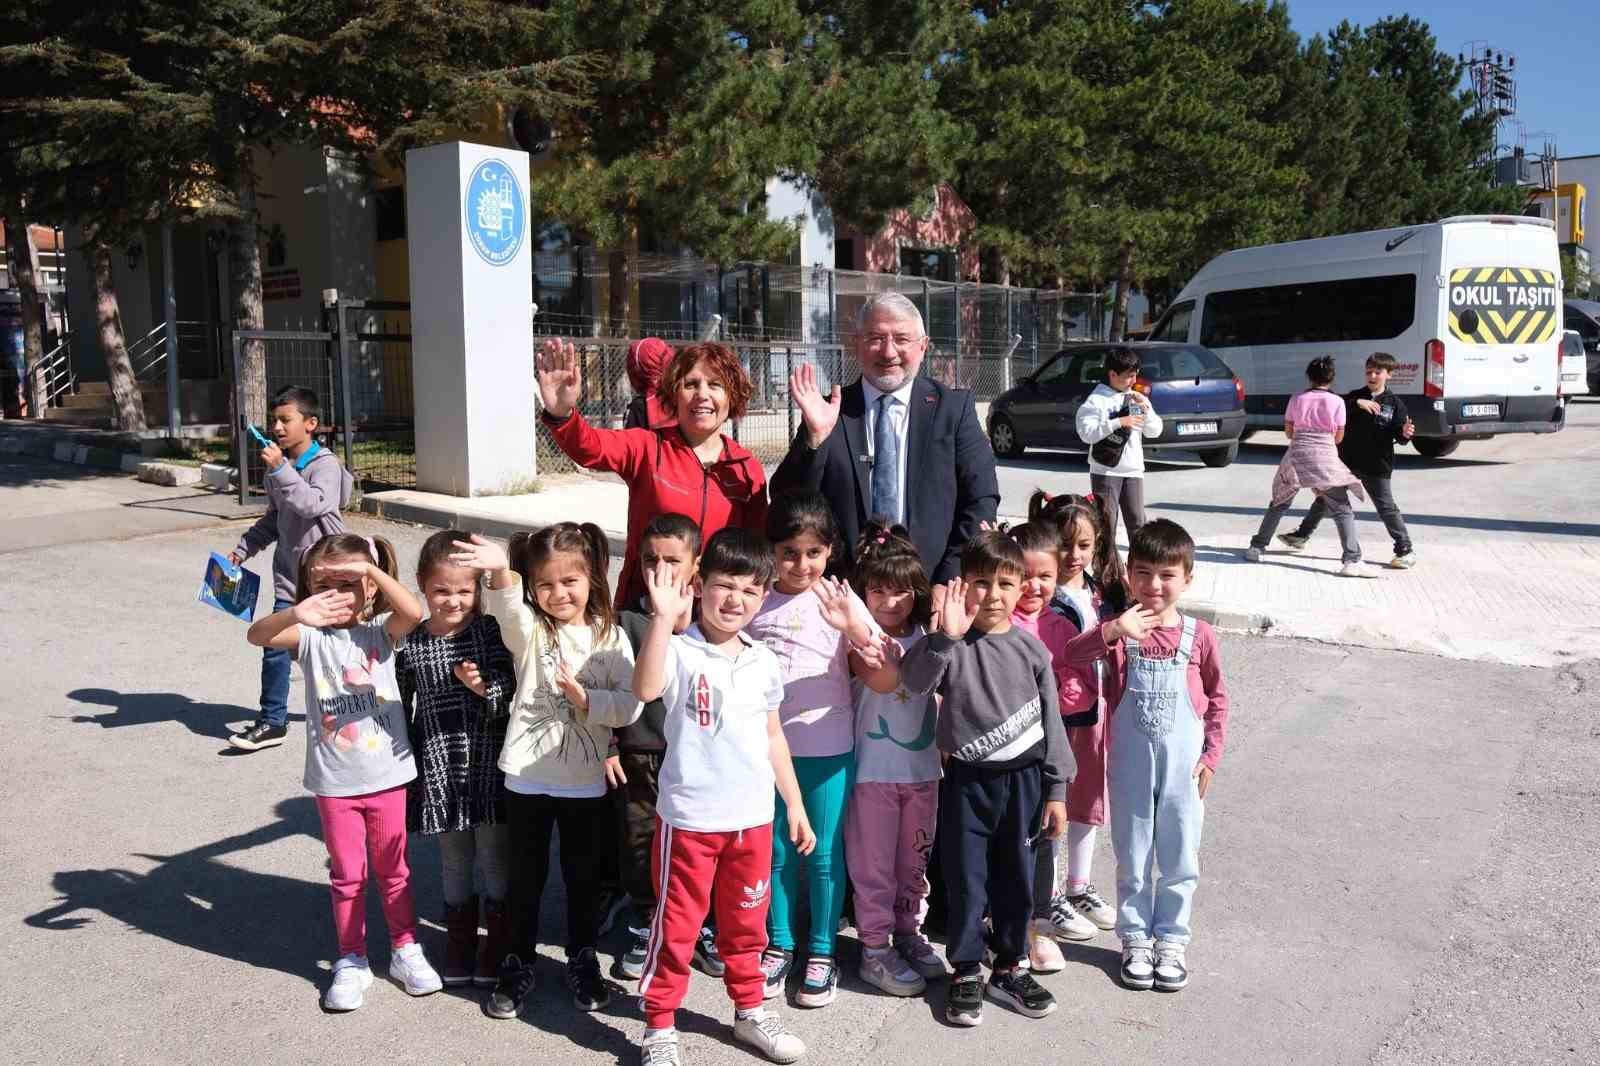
[
  {"x": 261, "y": 735},
  {"x": 964, "y": 1006},
  {"x": 630, "y": 964},
  {"x": 1017, "y": 989},
  {"x": 706, "y": 957},
  {"x": 775, "y": 966},
  {"x": 610, "y": 904},
  {"x": 511, "y": 989},
  {"x": 589, "y": 989}
]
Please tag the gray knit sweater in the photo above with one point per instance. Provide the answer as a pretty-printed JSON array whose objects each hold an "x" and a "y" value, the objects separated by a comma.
[{"x": 1000, "y": 711}]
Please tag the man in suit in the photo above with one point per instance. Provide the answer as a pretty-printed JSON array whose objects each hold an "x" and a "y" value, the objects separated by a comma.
[{"x": 893, "y": 444}]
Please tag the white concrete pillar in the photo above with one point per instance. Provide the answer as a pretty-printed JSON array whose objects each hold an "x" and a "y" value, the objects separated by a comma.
[{"x": 471, "y": 327}]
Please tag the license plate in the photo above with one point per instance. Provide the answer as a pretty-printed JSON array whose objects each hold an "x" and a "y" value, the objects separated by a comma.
[
  {"x": 1190, "y": 429},
  {"x": 1480, "y": 410}
]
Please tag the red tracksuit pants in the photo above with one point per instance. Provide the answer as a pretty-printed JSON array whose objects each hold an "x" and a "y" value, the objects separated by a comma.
[{"x": 690, "y": 870}]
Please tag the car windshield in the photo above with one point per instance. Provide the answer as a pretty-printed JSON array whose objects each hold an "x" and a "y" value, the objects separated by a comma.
[{"x": 1181, "y": 364}]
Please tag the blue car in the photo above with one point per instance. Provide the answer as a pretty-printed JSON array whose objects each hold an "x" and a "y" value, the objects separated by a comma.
[{"x": 1200, "y": 401}]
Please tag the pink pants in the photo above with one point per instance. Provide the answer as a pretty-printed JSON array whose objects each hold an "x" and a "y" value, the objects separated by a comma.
[
  {"x": 888, "y": 835},
  {"x": 351, "y": 825}
]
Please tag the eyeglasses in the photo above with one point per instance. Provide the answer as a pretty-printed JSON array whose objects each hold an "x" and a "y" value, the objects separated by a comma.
[{"x": 901, "y": 340}]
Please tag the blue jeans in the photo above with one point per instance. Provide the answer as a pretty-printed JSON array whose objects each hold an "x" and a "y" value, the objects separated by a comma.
[{"x": 275, "y": 679}]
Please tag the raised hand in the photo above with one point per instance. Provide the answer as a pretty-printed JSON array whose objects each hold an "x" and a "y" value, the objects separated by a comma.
[
  {"x": 468, "y": 674},
  {"x": 272, "y": 457},
  {"x": 669, "y": 597},
  {"x": 819, "y": 414},
  {"x": 567, "y": 682},
  {"x": 324, "y": 609},
  {"x": 480, "y": 553},
  {"x": 875, "y": 656},
  {"x": 956, "y": 617},
  {"x": 833, "y": 601},
  {"x": 559, "y": 377},
  {"x": 353, "y": 569},
  {"x": 1136, "y": 622}
]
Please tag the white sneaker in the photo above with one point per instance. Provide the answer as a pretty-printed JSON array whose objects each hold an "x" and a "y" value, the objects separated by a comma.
[
  {"x": 1353, "y": 570},
  {"x": 1043, "y": 955},
  {"x": 884, "y": 969},
  {"x": 1067, "y": 924},
  {"x": 1252, "y": 554},
  {"x": 922, "y": 956},
  {"x": 1093, "y": 906},
  {"x": 1138, "y": 966},
  {"x": 765, "y": 1033},
  {"x": 1171, "y": 968},
  {"x": 659, "y": 1049},
  {"x": 410, "y": 967},
  {"x": 1403, "y": 562},
  {"x": 351, "y": 979}
]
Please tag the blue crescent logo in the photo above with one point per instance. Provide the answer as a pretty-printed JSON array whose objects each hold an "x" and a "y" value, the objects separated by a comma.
[{"x": 497, "y": 215}]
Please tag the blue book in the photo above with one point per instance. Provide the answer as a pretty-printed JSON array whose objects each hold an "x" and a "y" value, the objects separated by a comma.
[{"x": 230, "y": 589}]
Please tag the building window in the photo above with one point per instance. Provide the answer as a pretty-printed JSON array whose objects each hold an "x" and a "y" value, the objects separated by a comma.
[
  {"x": 935, "y": 264},
  {"x": 844, "y": 253},
  {"x": 391, "y": 203}
]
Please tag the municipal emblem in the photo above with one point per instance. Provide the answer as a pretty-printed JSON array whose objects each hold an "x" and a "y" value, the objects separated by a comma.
[{"x": 497, "y": 217}]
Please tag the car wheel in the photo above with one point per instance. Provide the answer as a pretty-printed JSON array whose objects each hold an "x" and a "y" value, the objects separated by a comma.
[
  {"x": 1003, "y": 438},
  {"x": 1434, "y": 448},
  {"x": 1220, "y": 456}
]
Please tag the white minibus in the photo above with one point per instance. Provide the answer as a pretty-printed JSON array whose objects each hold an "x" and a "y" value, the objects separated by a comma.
[{"x": 1470, "y": 307}]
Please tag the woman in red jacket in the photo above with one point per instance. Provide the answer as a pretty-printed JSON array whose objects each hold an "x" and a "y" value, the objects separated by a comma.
[{"x": 690, "y": 468}]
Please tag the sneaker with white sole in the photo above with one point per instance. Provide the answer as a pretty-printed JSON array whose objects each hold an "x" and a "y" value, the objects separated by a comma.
[
  {"x": 1352, "y": 570},
  {"x": 820, "y": 983},
  {"x": 1252, "y": 554},
  {"x": 1017, "y": 989},
  {"x": 1043, "y": 955},
  {"x": 922, "y": 956},
  {"x": 1093, "y": 906},
  {"x": 964, "y": 1004},
  {"x": 589, "y": 989},
  {"x": 1293, "y": 541},
  {"x": 1067, "y": 924},
  {"x": 707, "y": 959},
  {"x": 351, "y": 979},
  {"x": 1138, "y": 966},
  {"x": 630, "y": 964},
  {"x": 884, "y": 969},
  {"x": 1403, "y": 562},
  {"x": 1171, "y": 967},
  {"x": 511, "y": 988},
  {"x": 410, "y": 967},
  {"x": 765, "y": 1032},
  {"x": 261, "y": 735},
  {"x": 659, "y": 1048},
  {"x": 775, "y": 966}
]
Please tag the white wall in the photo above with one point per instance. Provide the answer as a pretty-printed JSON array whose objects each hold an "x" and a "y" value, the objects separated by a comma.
[{"x": 1585, "y": 170}]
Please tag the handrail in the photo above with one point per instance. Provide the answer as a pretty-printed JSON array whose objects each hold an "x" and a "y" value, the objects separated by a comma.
[
  {"x": 154, "y": 345},
  {"x": 54, "y": 370}
]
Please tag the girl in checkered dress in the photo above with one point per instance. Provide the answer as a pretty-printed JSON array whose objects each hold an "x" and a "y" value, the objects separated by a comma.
[{"x": 457, "y": 679}]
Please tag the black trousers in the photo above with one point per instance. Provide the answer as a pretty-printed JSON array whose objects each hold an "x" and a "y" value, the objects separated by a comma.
[
  {"x": 533, "y": 821},
  {"x": 987, "y": 821},
  {"x": 636, "y": 816}
]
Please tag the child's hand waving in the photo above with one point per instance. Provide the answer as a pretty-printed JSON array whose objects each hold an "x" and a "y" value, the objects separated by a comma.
[
  {"x": 956, "y": 618},
  {"x": 324, "y": 609},
  {"x": 669, "y": 598},
  {"x": 468, "y": 674},
  {"x": 480, "y": 554},
  {"x": 833, "y": 600},
  {"x": 1137, "y": 622}
]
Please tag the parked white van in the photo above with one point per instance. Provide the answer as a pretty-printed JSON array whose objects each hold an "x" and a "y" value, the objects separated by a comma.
[{"x": 1470, "y": 307}]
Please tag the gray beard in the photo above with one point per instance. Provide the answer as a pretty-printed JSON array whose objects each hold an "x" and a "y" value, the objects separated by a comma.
[{"x": 883, "y": 384}]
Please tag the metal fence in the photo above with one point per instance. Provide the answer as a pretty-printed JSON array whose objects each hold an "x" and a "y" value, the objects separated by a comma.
[{"x": 360, "y": 368}]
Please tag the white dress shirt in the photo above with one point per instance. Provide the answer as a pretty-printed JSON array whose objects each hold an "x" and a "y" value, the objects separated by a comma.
[{"x": 900, "y": 415}]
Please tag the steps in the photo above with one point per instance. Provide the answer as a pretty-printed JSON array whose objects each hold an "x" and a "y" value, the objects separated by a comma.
[{"x": 90, "y": 406}]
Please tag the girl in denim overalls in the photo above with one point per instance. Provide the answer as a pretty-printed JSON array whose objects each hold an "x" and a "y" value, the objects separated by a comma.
[{"x": 1163, "y": 681}]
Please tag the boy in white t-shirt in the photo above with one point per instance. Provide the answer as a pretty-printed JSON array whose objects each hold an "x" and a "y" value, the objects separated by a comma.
[{"x": 725, "y": 752}]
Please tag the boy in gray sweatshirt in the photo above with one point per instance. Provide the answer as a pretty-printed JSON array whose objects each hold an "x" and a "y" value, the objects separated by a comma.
[
  {"x": 1005, "y": 778},
  {"x": 307, "y": 487}
]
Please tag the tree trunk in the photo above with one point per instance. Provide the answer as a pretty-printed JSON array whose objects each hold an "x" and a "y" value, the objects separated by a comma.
[
  {"x": 20, "y": 257},
  {"x": 1119, "y": 310},
  {"x": 126, "y": 402},
  {"x": 617, "y": 291},
  {"x": 244, "y": 290}
]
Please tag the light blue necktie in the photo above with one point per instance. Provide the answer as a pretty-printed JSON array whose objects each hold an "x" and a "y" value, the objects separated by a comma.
[{"x": 885, "y": 462}]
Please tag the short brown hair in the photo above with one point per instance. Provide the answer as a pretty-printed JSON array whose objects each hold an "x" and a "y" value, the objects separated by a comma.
[
  {"x": 1383, "y": 361},
  {"x": 1162, "y": 542},
  {"x": 991, "y": 552},
  {"x": 724, "y": 364}
]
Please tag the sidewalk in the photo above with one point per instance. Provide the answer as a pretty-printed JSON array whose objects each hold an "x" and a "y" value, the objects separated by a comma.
[{"x": 1519, "y": 601}]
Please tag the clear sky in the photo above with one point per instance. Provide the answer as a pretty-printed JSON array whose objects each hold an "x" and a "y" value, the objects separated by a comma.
[{"x": 1557, "y": 44}]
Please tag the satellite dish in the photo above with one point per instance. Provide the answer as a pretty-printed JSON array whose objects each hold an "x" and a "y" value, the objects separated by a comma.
[{"x": 530, "y": 132}]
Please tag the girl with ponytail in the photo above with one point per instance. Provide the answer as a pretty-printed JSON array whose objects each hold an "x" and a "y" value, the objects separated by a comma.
[{"x": 549, "y": 593}]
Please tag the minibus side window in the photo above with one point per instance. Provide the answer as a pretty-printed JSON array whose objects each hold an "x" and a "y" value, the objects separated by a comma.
[
  {"x": 1175, "y": 326},
  {"x": 1354, "y": 309}
]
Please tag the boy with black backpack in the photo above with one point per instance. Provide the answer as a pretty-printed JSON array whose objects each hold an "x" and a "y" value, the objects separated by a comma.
[{"x": 1113, "y": 421}]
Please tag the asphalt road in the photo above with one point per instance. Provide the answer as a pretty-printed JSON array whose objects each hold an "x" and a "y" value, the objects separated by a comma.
[{"x": 1397, "y": 866}]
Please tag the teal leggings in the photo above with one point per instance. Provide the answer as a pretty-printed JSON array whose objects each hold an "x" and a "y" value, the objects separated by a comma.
[{"x": 824, "y": 788}]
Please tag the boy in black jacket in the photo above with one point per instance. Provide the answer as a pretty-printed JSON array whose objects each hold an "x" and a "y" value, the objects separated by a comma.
[
  {"x": 634, "y": 769},
  {"x": 1375, "y": 419}
]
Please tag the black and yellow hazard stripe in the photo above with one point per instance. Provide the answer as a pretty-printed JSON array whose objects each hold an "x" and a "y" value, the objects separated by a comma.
[{"x": 1518, "y": 327}]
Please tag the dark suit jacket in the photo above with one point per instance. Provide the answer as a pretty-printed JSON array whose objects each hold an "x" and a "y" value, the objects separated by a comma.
[{"x": 950, "y": 477}]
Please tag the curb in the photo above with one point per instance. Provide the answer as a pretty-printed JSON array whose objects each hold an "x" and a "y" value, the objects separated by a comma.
[
  {"x": 1228, "y": 618},
  {"x": 66, "y": 451},
  {"x": 466, "y": 520}
]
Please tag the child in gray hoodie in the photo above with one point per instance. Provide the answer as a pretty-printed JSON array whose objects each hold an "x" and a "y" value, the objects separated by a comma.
[{"x": 307, "y": 487}]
